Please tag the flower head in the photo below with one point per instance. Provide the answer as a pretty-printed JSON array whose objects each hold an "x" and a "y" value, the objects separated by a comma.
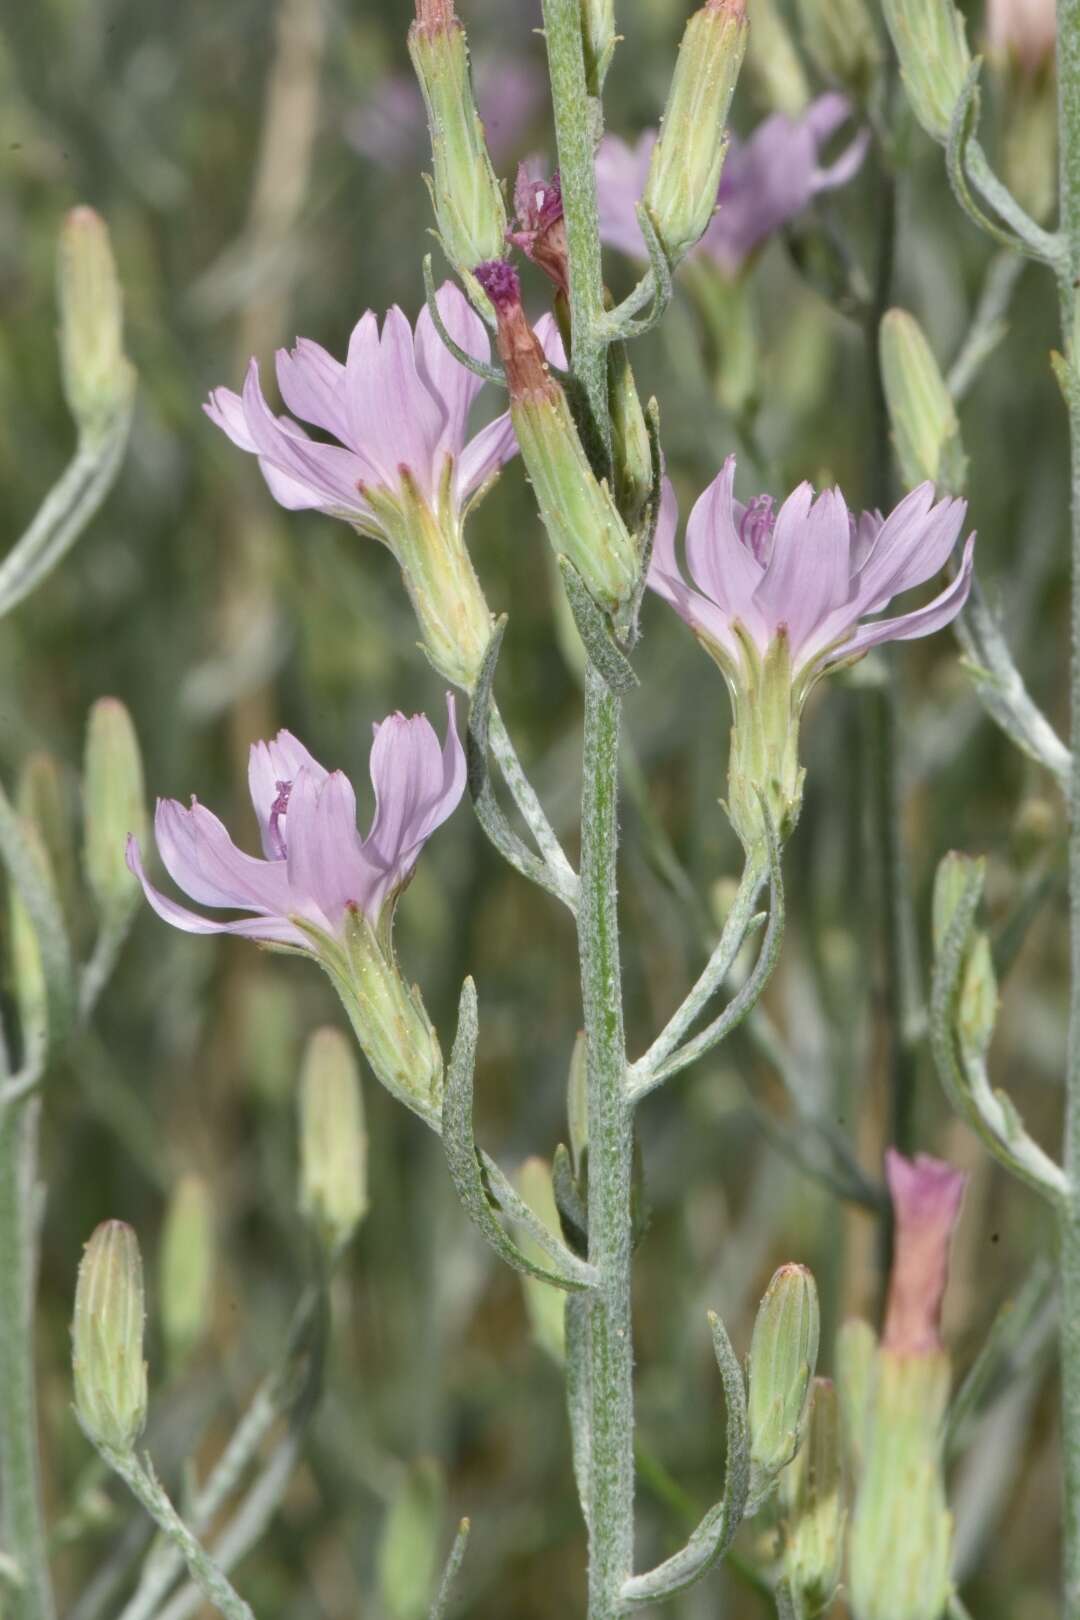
[
  {"x": 768, "y": 179},
  {"x": 316, "y": 869},
  {"x": 926, "y": 1196}
]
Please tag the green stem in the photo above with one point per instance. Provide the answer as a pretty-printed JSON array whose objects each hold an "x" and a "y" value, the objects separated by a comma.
[
  {"x": 611, "y": 1134},
  {"x": 21, "y": 1513},
  {"x": 1068, "y": 67}
]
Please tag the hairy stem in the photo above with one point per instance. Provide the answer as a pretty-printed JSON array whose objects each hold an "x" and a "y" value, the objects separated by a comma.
[{"x": 21, "y": 1512}]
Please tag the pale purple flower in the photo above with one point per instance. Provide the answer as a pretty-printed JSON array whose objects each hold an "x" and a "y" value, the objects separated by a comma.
[
  {"x": 926, "y": 1196},
  {"x": 811, "y": 570},
  {"x": 316, "y": 868},
  {"x": 398, "y": 408},
  {"x": 767, "y": 180}
]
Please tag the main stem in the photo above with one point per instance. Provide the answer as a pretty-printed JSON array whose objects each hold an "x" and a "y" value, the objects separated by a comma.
[
  {"x": 21, "y": 1513},
  {"x": 610, "y": 1167}
]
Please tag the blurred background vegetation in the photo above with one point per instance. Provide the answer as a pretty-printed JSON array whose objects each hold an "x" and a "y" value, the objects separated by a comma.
[{"x": 259, "y": 168}]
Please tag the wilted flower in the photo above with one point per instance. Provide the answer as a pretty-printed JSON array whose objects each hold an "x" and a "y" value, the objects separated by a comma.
[
  {"x": 768, "y": 179},
  {"x": 541, "y": 227},
  {"x": 321, "y": 888},
  {"x": 403, "y": 470},
  {"x": 785, "y": 596},
  {"x": 926, "y": 1197}
]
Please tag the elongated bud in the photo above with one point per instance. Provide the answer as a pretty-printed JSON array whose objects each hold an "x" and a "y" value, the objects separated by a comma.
[
  {"x": 333, "y": 1141},
  {"x": 930, "y": 41},
  {"x": 773, "y": 62},
  {"x": 468, "y": 199},
  {"x": 114, "y": 803},
  {"x": 543, "y": 1303},
  {"x": 632, "y": 452},
  {"x": 926, "y": 1197},
  {"x": 407, "y": 1553},
  {"x": 977, "y": 1003},
  {"x": 856, "y": 1347},
  {"x": 186, "y": 1267},
  {"x": 107, "y": 1338},
  {"x": 684, "y": 174},
  {"x": 842, "y": 41},
  {"x": 578, "y": 512},
  {"x": 98, "y": 379},
  {"x": 812, "y": 1503},
  {"x": 926, "y": 433},
  {"x": 783, "y": 1355},
  {"x": 599, "y": 39}
]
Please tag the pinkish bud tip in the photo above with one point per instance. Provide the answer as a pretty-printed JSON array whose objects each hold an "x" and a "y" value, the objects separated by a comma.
[
  {"x": 435, "y": 15},
  {"x": 500, "y": 281},
  {"x": 926, "y": 1197}
]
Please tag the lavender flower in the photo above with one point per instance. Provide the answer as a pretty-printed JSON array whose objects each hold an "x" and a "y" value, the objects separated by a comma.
[
  {"x": 403, "y": 470},
  {"x": 926, "y": 1197},
  {"x": 783, "y": 597},
  {"x": 321, "y": 888},
  {"x": 767, "y": 180}
]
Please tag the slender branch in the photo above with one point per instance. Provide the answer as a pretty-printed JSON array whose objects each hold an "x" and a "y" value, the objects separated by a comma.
[
  {"x": 524, "y": 796},
  {"x": 988, "y": 324}
]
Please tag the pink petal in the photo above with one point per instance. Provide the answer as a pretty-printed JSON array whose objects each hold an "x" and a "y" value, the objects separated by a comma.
[
  {"x": 226, "y": 410},
  {"x": 922, "y": 622},
  {"x": 269, "y": 764},
  {"x": 312, "y": 385},
  {"x": 914, "y": 542},
  {"x": 271, "y": 930},
  {"x": 451, "y": 384},
  {"x": 202, "y": 859},
  {"x": 325, "y": 860},
  {"x": 394, "y": 418},
  {"x": 329, "y": 472},
  {"x": 809, "y": 570},
  {"x": 417, "y": 785},
  {"x": 725, "y": 569},
  {"x": 484, "y": 454},
  {"x": 621, "y": 173},
  {"x": 665, "y": 578}
]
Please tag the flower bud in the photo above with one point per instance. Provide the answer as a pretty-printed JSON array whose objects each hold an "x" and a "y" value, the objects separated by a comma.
[
  {"x": 926, "y": 433},
  {"x": 1029, "y": 127},
  {"x": 929, "y": 39},
  {"x": 333, "y": 1141},
  {"x": 599, "y": 39},
  {"x": 468, "y": 199},
  {"x": 98, "y": 379},
  {"x": 977, "y": 1003},
  {"x": 856, "y": 1347},
  {"x": 543, "y": 1302},
  {"x": 842, "y": 41},
  {"x": 114, "y": 806},
  {"x": 107, "y": 1336},
  {"x": 388, "y": 1016},
  {"x": 955, "y": 872},
  {"x": 684, "y": 174},
  {"x": 541, "y": 226},
  {"x": 773, "y": 62},
  {"x": 632, "y": 452},
  {"x": 812, "y": 1503},
  {"x": 926, "y": 1197},
  {"x": 577, "y": 510},
  {"x": 783, "y": 1355},
  {"x": 186, "y": 1267}
]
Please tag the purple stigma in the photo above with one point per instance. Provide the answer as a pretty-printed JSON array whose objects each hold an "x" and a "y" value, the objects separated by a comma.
[
  {"x": 277, "y": 815},
  {"x": 755, "y": 530}
]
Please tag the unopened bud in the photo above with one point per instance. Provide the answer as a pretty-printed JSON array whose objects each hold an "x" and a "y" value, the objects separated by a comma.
[
  {"x": 901, "y": 1531},
  {"x": 926, "y": 1197},
  {"x": 543, "y": 1302},
  {"x": 186, "y": 1267},
  {"x": 812, "y": 1503},
  {"x": 929, "y": 39},
  {"x": 577, "y": 509},
  {"x": 773, "y": 62},
  {"x": 926, "y": 433},
  {"x": 856, "y": 1347},
  {"x": 684, "y": 174},
  {"x": 599, "y": 39},
  {"x": 842, "y": 41},
  {"x": 333, "y": 1141},
  {"x": 98, "y": 379},
  {"x": 114, "y": 804},
  {"x": 783, "y": 1355},
  {"x": 1025, "y": 30},
  {"x": 632, "y": 452},
  {"x": 469, "y": 207},
  {"x": 27, "y": 968},
  {"x": 977, "y": 1002},
  {"x": 107, "y": 1338},
  {"x": 956, "y": 871}
]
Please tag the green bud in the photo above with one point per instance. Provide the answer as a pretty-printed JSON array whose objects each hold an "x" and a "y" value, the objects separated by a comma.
[
  {"x": 544, "y": 1303},
  {"x": 630, "y": 439},
  {"x": 856, "y": 1348},
  {"x": 812, "y": 1502},
  {"x": 388, "y": 1018},
  {"x": 186, "y": 1267},
  {"x": 934, "y": 58},
  {"x": 599, "y": 39},
  {"x": 773, "y": 62},
  {"x": 43, "y": 798},
  {"x": 107, "y": 1337},
  {"x": 407, "y": 1553},
  {"x": 469, "y": 206},
  {"x": 453, "y": 616},
  {"x": 978, "y": 1005},
  {"x": 954, "y": 874},
  {"x": 577, "y": 1103},
  {"x": 333, "y": 1141},
  {"x": 114, "y": 807},
  {"x": 783, "y": 1355},
  {"x": 98, "y": 379},
  {"x": 684, "y": 174},
  {"x": 901, "y": 1530},
  {"x": 926, "y": 433},
  {"x": 842, "y": 41},
  {"x": 764, "y": 757}
]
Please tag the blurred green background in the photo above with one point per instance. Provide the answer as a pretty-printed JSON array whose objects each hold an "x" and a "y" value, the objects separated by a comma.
[{"x": 259, "y": 168}]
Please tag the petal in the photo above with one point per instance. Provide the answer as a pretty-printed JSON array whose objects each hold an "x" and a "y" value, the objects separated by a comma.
[
  {"x": 846, "y": 166},
  {"x": 202, "y": 860},
  {"x": 809, "y": 572},
  {"x": 326, "y": 865},
  {"x": 547, "y": 330},
  {"x": 417, "y": 785},
  {"x": 312, "y": 385},
  {"x": 270, "y": 764},
  {"x": 922, "y": 622},
  {"x": 329, "y": 472},
  {"x": 913, "y": 543},
  {"x": 720, "y": 565},
  {"x": 666, "y": 581},
  {"x": 452, "y": 385},
  {"x": 766, "y": 181},
  {"x": 394, "y": 418},
  {"x": 226, "y": 410},
  {"x": 272, "y": 930},
  {"x": 484, "y": 454}
]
